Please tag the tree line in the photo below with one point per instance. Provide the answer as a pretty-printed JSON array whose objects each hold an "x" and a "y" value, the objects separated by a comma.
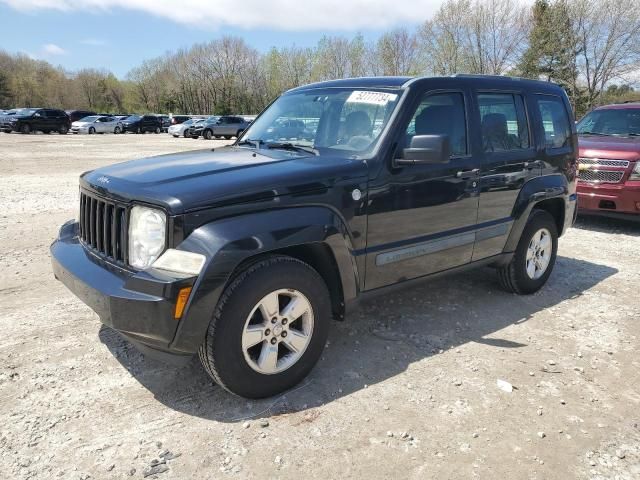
[{"x": 590, "y": 47}]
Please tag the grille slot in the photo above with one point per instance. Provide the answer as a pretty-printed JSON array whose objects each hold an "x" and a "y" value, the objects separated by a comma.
[
  {"x": 604, "y": 162},
  {"x": 103, "y": 226},
  {"x": 600, "y": 176}
]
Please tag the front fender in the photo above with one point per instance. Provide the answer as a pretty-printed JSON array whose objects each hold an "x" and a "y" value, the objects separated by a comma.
[
  {"x": 228, "y": 242},
  {"x": 533, "y": 192}
]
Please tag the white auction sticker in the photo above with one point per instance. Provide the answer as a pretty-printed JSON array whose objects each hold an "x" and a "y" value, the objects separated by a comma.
[{"x": 372, "y": 98}]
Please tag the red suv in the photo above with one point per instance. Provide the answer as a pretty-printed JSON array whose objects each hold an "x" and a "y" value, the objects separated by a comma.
[{"x": 609, "y": 177}]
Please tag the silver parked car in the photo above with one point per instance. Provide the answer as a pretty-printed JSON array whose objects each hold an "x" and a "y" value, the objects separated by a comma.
[
  {"x": 182, "y": 129},
  {"x": 226, "y": 126},
  {"x": 97, "y": 124}
]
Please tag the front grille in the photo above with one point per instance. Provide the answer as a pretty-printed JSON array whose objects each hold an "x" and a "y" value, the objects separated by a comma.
[
  {"x": 600, "y": 176},
  {"x": 103, "y": 226},
  {"x": 604, "y": 162}
]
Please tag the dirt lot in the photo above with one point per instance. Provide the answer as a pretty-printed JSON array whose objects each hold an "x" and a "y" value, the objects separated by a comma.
[{"x": 406, "y": 388}]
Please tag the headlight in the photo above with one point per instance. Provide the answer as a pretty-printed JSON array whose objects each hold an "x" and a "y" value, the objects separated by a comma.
[
  {"x": 635, "y": 173},
  {"x": 147, "y": 231}
]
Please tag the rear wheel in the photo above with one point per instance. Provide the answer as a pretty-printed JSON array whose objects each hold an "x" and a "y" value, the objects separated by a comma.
[
  {"x": 158, "y": 130},
  {"x": 534, "y": 257},
  {"x": 268, "y": 329},
  {"x": 228, "y": 137},
  {"x": 138, "y": 130},
  {"x": 63, "y": 130}
]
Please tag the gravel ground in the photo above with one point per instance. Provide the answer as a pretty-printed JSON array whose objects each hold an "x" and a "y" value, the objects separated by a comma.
[{"x": 407, "y": 387}]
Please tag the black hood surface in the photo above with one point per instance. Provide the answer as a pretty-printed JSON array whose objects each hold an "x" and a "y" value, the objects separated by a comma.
[{"x": 183, "y": 182}]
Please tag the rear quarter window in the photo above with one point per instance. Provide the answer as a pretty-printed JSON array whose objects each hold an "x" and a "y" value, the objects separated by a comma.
[{"x": 555, "y": 121}]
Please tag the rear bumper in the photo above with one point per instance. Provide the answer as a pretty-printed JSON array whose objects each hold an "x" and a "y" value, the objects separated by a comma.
[
  {"x": 139, "y": 305},
  {"x": 623, "y": 198}
]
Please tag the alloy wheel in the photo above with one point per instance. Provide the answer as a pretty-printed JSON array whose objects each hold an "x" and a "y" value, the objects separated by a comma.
[
  {"x": 277, "y": 331},
  {"x": 539, "y": 253}
]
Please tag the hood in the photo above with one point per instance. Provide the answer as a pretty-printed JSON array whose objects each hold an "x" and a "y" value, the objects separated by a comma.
[
  {"x": 80, "y": 124},
  {"x": 621, "y": 148},
  {"x": 200, "y": 179}
]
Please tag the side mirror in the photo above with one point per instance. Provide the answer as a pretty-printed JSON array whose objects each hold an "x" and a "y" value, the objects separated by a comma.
[{"x": 426, "y": 149}]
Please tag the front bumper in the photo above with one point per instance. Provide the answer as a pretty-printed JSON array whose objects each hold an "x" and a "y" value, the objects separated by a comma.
[
  {"x": 139, "y": 305},
  {"x": 622, "y": 198}
]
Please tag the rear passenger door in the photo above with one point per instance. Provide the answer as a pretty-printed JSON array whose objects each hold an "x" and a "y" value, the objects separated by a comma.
[{"x": 509, "y": 159}]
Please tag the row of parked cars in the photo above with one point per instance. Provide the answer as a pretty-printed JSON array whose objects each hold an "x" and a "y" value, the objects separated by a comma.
[
  {"x": 49, "y": 120},
  {"x": 225, "y": 126}
]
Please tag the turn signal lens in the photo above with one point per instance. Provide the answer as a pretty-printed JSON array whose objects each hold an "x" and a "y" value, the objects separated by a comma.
[{"x": 183, "y": 298}]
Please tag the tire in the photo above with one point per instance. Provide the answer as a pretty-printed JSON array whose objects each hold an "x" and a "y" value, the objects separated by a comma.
[
  {"x": 92, "y": 130},
  {"x": 235, "y": 368},
  {"x": 516, "y": 277},
  {"x": 47, "y": 132},
  {"x": 139, "y": 130},
  {"x": 63, "y": 130},
  {"x": 158, "y": 130},
  {"x": 25, "y": 129},
  {"x": 185, "y": 134},
  {"x": 117, "y": 130},
  {"x": 207, "y": 134},
  {"x": 227, "y": 137}
]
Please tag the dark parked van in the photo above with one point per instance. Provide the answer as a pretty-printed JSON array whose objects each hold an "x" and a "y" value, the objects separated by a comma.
[
  {"x": 244, "y": 254},
  {"x": 46, "y": 120},
  {"x": 75, "y": 115}
]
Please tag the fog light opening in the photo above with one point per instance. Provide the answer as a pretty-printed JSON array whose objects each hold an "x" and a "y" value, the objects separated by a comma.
[{"x": 181, "y": 303}]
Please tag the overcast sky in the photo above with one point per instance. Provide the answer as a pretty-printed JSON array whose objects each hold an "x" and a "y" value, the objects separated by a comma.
[{"x": 119, "y": 34}]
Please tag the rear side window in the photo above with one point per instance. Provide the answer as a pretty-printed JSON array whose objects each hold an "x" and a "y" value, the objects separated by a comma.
[
  {"x": 555, "y": 121},
  {"x": 441, "y": 114},
  {"x": 503, "y": 121}
]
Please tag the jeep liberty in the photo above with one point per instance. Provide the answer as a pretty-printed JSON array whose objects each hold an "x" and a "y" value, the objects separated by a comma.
[{"x": 243, "y": 254}]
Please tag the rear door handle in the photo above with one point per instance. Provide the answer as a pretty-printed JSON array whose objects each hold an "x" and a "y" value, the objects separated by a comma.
[{"x": 468, "y": 173}]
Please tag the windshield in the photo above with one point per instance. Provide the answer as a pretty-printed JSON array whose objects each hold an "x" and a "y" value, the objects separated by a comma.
[
  {"x": 26, "y": 111},
  {"x": 335, "y": 119},
  {"x": 213, "y": 118},
  {"x": 613, "y": 121},
  {"x": 89, "y": 119},
  {"x": 134, "y": 118}
]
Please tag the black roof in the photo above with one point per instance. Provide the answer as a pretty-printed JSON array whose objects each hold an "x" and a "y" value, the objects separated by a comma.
[{"x": 481, "y": 81}]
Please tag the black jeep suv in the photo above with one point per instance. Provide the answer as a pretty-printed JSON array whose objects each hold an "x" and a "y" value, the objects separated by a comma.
[
  {"x": 46, "y": 120},
  {"x": 245, "y": 253}
]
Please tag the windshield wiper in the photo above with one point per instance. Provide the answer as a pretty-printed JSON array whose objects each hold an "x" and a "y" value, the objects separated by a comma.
[
  {"x": 594, "y": 133},
  {"x": 254, "y": 143},
  {"x": 292, "y": 146}
]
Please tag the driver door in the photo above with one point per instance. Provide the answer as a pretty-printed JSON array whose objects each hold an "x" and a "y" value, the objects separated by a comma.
[{"x": 422, "y": 217}]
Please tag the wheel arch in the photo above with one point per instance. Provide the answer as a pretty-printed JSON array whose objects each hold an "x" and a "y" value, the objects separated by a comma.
[
  {"x": 315, "y": 235},
  {"x": 549, "y": 193}
]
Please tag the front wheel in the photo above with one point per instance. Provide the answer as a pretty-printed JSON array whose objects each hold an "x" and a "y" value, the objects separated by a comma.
[
  {"x": 207, "y": 134},
  {"x": 534, "y": 257},
  {"x": 63, "y": 130},
  {"x": 117, "y": 130},
  {"x": 227, "y": 137},
  {"x": 268, "y": 329},
  {"x": 26, "y": 128},
  {"x": 92, "y": 131}
]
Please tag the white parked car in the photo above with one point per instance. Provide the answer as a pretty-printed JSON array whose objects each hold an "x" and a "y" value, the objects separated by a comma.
[
  {"x": 182, "y": 129},
  {"x": 97, "y": 124}
]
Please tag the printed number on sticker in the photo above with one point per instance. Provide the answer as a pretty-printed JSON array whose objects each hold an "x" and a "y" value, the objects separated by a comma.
[{"x": 373, "y": 98}]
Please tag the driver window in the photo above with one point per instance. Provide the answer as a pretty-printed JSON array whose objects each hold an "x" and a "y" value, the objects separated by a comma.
[{"x": 441, "y": 114}]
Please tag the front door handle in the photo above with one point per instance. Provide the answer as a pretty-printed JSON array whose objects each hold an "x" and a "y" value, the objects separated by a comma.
[{"x": 468, "y": 173}]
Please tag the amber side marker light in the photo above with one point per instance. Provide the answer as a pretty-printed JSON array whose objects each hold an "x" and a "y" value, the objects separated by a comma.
[{"x": 183, "y": 297}]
